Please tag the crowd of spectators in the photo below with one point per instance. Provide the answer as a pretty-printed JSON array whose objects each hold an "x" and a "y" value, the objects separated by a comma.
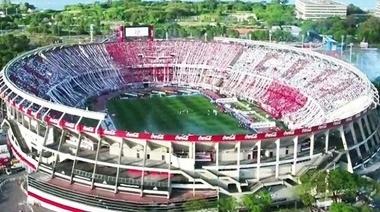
[{"x": 297, "y": 88}]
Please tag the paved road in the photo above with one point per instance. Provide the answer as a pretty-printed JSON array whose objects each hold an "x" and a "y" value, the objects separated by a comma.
[{"x": 12, "y": 198}]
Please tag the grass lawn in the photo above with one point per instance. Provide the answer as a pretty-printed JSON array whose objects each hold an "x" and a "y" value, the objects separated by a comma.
[{"x": 161, "y": 115}]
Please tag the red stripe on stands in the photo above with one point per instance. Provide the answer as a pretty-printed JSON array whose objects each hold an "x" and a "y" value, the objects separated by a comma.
[{"x": 55, "y": 204}]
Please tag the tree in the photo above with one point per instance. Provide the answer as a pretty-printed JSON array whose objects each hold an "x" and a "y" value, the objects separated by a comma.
[
  {"x": 366, "y": 208},
  {"x": 307, "y": 199},
  {"x": 352, "y": 9},
  {"x": 280, "y": 1},
  {"x": 342, "y": 207},
  {"x": 11, "y": 46},
  {"x": 369, "y": 30},
  {"x": 198, "y": 204},
  {"x": 257, "y": 202},
  {"x": 227, "y": 204}
]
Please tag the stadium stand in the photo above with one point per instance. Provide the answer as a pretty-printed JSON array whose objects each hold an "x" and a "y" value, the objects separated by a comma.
[{"x": 278, "y": 79}]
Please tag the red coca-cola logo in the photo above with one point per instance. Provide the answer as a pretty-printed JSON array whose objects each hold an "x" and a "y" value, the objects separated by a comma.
[
  {"x": 306, "y": 130},
  {"x": 349, "y": 119},
  {"x": 229, "y": 137},
  {"x": 157, "y": 136},
  {"x": 205, "y": 138},
  {"x": 182, "y": 137},
  {"x": 132, "y": 135},
  {"x": 54, "y": 121},
  {"x": 70, "y": 125},
  {"x": 270, "y": 135},
  {"x": 109, "y": 132},
  {"x": 335, "y": 123},
  {"x": 250, "y": 136},
  {"x": 323, "y": 126},
  {"x": 290, "y": 132},
  {"x": 88, "y": 129}
]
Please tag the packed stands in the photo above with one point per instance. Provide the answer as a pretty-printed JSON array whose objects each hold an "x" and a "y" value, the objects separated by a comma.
[{"x": 297, "y": 88}]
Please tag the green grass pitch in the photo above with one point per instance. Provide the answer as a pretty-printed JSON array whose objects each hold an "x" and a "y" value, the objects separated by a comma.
[{"x": 161, "y": 115}]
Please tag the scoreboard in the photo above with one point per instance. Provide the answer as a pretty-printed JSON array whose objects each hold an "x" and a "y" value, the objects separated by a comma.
[{"x": 135, "y": 32}]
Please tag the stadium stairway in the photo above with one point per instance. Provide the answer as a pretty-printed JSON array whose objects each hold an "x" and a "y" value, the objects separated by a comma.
[
  {"x": 211, "y": 183},
  {"x": 237, "y": 57},
  {"x": 334, "y": 160},
  {"x": 318, "y": 163},
  {"x": 221, "y": 181},
  {"x": 267, "y": 182},
  {"x": 17, "y": 133}
]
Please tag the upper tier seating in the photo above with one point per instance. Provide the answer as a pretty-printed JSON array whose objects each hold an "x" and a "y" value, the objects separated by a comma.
[{"x": 272, "y": 77}]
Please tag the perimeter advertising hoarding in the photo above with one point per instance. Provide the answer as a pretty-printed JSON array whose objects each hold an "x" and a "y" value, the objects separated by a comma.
[{"x": 137, "y": 31}]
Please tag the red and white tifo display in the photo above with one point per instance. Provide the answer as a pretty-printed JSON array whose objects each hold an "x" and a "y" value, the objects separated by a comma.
[{"x": 327, "y": 105}]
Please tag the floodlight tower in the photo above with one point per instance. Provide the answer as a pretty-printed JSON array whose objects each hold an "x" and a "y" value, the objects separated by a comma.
[{"x": 92, "y": 32}]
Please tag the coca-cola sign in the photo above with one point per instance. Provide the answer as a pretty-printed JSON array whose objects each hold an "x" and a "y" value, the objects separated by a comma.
[
  {"x": 306, "y": 130},
  {"x": 88, "y": 129},
  {"x": 349, "y": 119},
  {"x": 70, "y": 125},
  {"x": 157, "y": 136},
  {"x": 182, "y": 137},
  {"x": 205, "y": 138},
  {"x": 132, "y": 135},
  {"x": 229, "y": 138},
  {"x": 109, "y": 132},
  {"x": 335, "y": 123},
  {"x": 250, "y": 136},
  {"x": 289, "y": 132},
  {"x": 270, "y": 135},
  {"x": 323, "y": 126},
  {"x": 55, "y": 121}
]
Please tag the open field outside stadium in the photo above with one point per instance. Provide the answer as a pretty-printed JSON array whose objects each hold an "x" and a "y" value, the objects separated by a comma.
[{"x": 176, "y": 115}]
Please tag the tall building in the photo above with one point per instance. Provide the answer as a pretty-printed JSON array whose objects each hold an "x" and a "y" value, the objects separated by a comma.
[
  {"x": 316, "y": 9},
  {"x": 377, "y": 11}
]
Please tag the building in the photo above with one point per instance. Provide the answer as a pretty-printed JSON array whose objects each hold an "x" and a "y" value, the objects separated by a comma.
[
  {"x": 327, "y": 104},
  {"x": 377, "y": 10},
  {"x": 316, "y": 9}
]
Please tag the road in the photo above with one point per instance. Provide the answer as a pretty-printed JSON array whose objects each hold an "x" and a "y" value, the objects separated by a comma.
[{"x": 13, "y": 198}]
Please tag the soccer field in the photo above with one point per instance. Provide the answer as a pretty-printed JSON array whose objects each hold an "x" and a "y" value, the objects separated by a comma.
[{"x": 162, "y": 115}]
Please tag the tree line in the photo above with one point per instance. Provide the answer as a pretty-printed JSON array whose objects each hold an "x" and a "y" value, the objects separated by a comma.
[{"x": 189, "y": 19}]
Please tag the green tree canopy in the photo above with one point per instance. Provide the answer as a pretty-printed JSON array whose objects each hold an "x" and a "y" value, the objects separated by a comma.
[
  {"x": 257, "y": 202},
  {"x": 227, "y": 204},
  {"x": 342, "y": 207}
]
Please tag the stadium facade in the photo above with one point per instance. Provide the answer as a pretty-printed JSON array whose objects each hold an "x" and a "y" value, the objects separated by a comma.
[{"x": 75, "y": 165}]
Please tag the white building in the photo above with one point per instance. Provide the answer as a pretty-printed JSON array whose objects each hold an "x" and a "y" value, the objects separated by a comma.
[
  {"x": 377, "y": 11},
  {"x": 316, "y": 9}
]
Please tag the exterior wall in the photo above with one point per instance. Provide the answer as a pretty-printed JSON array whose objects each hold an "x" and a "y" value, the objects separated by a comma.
[
  {"x": 305, "y": 9},
  {"x": 360, "y": 137},
  {"x": 54, "y": 203}
]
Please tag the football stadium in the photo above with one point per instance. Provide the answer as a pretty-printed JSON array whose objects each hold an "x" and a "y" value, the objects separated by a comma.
[{"x": 141, "y": 124}]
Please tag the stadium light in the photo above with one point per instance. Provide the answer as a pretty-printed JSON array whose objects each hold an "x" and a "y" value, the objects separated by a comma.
[
  {"x": 92, "y": 32},
  {"x": 341, "y": 47},
  {"x": 351, "y": 44},
  {"x": 270, "y": 36}
]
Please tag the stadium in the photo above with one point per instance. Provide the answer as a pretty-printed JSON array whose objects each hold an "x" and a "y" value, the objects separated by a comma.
[{"x": 143, "y": 124}]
